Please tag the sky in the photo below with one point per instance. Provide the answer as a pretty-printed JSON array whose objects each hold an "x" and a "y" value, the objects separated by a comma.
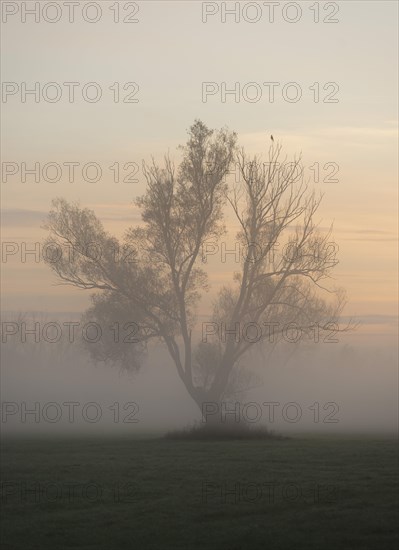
[{"x": 346, "y": 115}]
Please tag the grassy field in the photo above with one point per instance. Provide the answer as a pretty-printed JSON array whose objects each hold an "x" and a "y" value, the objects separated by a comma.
[{"x": 296, "y": 494}]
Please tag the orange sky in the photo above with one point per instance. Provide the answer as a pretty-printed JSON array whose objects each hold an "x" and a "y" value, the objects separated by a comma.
[{"x": 358, "y": 133}]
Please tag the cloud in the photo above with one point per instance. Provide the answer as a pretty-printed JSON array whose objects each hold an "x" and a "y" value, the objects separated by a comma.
[
  {"x": 126, "y": 212},
  {"x": 373, "y": 319},
  {"x": 373, "y": 239},
  {"x": 311, "y": 139},
  {"x": 15, "y": 217},
  {"x": 350, "y": 234}
]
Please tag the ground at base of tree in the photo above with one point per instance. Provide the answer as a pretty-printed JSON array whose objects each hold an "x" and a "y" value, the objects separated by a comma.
[
  {"x": 223, "y": 431},
  {"x": 314, "y": 493}
]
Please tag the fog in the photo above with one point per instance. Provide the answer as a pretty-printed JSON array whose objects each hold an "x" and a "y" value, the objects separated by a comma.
[{"x": 345, "y": 387}]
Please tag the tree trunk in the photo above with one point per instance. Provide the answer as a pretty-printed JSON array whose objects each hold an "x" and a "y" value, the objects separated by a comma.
[{"x": 218, "y": 414}]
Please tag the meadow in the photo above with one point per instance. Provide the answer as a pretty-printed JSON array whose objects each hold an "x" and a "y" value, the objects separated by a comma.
[{"x": 308, "y": 493}]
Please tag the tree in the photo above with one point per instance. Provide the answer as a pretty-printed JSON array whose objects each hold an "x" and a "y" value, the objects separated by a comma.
[{"x": 157, "y": 291}]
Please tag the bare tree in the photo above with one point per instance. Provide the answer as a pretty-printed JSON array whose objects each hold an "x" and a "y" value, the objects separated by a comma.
[{"x": 159, "y": 288}]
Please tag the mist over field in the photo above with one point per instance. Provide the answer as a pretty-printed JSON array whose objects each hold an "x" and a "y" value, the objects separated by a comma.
[{"x": 356, "y": 384}]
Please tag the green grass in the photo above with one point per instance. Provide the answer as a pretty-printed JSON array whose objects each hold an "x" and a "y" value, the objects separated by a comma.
[{"x": 165, "y": 506}]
